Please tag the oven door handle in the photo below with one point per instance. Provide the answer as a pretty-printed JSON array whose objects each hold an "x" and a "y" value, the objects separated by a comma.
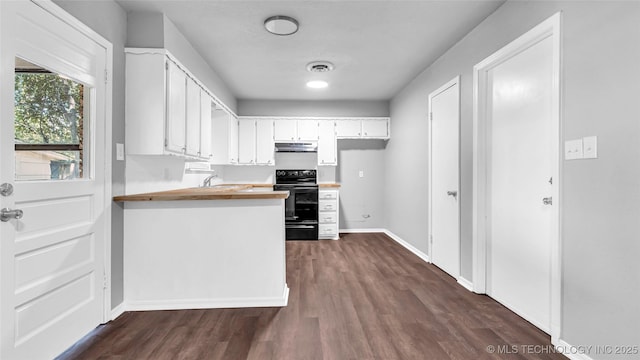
[
  {"x": 299, "y": 226},
  {"x": 297, "y": 187}
]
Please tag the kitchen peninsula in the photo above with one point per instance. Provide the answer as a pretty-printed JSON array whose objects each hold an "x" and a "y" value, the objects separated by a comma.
[{"x": 216, "y": 247}]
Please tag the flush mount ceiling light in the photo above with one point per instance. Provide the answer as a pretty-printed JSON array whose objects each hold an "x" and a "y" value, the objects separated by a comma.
[
  {"x": 281, "y": 25},
  {"x": 317, "y": 84}
]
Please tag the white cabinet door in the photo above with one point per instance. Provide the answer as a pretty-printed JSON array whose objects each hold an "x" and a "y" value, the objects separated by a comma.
[
  {"x": 285, "y": 130},
  {"x": 205, "y": 125},
  {"x": 233, "y": 140},
  {"x": 348, "y": 128},
  {"x": 176, "y": 105},
  {"x": 307, "y": 130},
  {"x": 327, "y": 143},
  {"x": 246, "y": 141},
  {"x": 264, "y": 142},
  {"x": 193, "y": 118},
  {"x": 375, "y": 128},
  {"x": 220, "y": 123}
]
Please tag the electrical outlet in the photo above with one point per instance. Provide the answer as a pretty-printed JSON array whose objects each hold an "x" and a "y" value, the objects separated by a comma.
[{"x": 361, "y": 173}]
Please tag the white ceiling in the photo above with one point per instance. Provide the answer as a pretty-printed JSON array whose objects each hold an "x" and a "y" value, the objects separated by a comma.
[{"x": 377, "y": 46}]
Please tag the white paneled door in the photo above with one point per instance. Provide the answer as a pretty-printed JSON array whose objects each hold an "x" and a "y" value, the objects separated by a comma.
[
  {"x": 53, "y": 141},
  {"x": 444, "y": 105}
]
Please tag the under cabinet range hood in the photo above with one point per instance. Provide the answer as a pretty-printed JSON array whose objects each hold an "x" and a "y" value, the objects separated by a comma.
[{"x": 296, "y": 147}]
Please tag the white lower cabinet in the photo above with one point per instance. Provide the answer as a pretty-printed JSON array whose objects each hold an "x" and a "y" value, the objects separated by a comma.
[{"x": 328, "y": 213}]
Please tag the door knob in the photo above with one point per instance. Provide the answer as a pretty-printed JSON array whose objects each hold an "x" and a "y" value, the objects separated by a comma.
[
  {"x": 7, "y": 214},
  {"x": 452, "y": 193},
  {"x": 547, "y": 201}
]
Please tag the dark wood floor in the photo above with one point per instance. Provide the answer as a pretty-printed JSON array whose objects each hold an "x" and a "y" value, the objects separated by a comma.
[{"x": 363, "y": 297}]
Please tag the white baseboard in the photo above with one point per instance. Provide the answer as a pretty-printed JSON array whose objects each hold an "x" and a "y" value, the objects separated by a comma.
[
  {"x": 183, "y": 304},
  {"x": 118, "y": 310},
  {"x": 407, "y": 246},
  {"x": 351, "y": 231},
  {"x": 573, "y": 352},
  {"x": 465, "y": 283}
]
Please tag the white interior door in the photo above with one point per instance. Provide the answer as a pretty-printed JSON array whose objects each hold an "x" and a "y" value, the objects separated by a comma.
[
  {"x": 444, "y": 105},
  {"x": 52, "y": 259},
  {"x": 519, "y": 177}
]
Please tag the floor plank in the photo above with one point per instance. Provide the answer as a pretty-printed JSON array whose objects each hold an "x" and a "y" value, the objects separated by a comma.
[{"x": 363, "y": 297}]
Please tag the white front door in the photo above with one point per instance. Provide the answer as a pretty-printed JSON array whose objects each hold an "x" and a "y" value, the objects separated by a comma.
[
  {"x": 444, "y": 105},
  {"x": 52, "y": 137},
  {"x": 521, "y": 168}
]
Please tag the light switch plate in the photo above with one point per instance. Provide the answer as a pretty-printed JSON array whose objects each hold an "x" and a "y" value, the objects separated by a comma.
[
  {"x": 573, "y": 149},
  {"x": 119, "y": 151},
  {"x": 590, "y": 147}
]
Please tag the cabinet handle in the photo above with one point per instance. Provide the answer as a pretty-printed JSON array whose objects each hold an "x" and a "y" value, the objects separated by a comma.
[{"x": 358, "y": 134}]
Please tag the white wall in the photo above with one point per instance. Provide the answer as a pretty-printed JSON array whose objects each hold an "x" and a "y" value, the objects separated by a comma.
[
  {"x": 361, "y": 198},
  {"x": 181, "y": 48},
  {"x": 155, "y": 30},
  {"x": 601, "y": 87},
  {"x": 312, "y": 108}
]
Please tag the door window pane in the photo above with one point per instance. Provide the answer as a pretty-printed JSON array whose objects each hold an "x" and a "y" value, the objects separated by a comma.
[{"x": 49, "y": 124}]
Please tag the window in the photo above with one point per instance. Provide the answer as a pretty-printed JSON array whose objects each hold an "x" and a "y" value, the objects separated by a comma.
[{"x": 49, "y": 124}]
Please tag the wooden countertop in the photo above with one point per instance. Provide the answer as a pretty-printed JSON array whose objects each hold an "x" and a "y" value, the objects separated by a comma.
[
  {"x": 219, "y": 192},
  {"x": 329, "y": 185}
]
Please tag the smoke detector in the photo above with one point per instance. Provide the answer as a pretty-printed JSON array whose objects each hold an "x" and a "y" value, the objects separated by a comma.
[{"x": 319, "y": 66}]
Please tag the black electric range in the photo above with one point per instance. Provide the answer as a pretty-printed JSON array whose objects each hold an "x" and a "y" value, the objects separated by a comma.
[{"x": 301, "y": 207}]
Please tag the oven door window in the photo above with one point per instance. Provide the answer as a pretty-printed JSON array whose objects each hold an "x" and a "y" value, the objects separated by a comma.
[{"x": 306, "y": 204}]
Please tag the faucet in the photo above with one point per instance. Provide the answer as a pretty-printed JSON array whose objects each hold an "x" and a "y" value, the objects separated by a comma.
[{"x": 207, "y": 180}]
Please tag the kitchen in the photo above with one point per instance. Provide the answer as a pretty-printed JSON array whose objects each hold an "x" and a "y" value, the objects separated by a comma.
[{"x": 384, "y": 181}]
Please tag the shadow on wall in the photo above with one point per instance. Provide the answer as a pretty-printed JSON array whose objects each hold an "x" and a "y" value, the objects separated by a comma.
[{"x": 360, "y": 172}]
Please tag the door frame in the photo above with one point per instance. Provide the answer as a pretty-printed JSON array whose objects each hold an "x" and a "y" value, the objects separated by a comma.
[
  {"x": 60, "y": 13},
  {"x": 433, "y": 94},
  {"x": 550, "y": 28}
]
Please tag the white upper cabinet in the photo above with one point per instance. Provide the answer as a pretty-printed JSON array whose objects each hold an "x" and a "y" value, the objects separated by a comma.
[
  {"x": 285, "y": 130},
  {"x": 176, "y": 105},
  {"x": 264, "y": 142},
  {"x": 375, "y": 128},
  {"x": 327, "y": 151},
  {"x": 192, "y": 145},
  {"x": 255, "y": 142},
  {"x": 247, "y": 142},
  {"x": 362, "y": 128},
  {"x": 291, "y": 130},
  {"x": 307, "y": 130},
  {"x": 206, "y": 102},
  {"x": 221, "y": 128},
  {"x": 233, "y": 140},
  {"x": 348, "y": 128},
  {"x": 167, "y": 111}
]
